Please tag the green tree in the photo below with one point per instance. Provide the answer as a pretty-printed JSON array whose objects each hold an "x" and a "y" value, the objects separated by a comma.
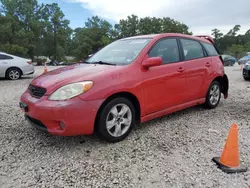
[
  {"x": 94, "y": 36},
  {"x": 129, "y": 26},
  {"x": 232, "y": 43},
  {"x": 55, "y": 31},
  {"x": 21, "y": 21},
  {"x": 149, "y": 25},
  {"x": 234, "y": 31},
  {"x": 217, "y": 34},
  {"x": 133, "y": 26},
  {"x": 236, "y": 50}
]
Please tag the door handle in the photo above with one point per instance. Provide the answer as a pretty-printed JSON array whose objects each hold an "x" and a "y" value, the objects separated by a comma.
[
  {"x": 208, "y": 64},
  {"x": 180, "y": 69}
]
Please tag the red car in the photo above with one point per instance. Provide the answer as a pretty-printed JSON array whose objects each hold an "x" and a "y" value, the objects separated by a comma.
[{"x": 129, "y": 81}]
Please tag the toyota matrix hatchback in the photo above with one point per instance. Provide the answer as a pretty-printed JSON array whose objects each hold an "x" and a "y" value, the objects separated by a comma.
[{"x": 129, "y": 81}]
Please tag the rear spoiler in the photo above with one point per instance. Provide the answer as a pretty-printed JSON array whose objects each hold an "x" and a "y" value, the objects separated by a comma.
[{"x": 209, "y": 38}]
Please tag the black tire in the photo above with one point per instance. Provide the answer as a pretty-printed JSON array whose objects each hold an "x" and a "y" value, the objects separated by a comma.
[
  {"x": 209, "y": 104},
  {"x": 101, "y": 127},
  {"x": 246, "y": 78},
  {"x": 10, "y": 74}
]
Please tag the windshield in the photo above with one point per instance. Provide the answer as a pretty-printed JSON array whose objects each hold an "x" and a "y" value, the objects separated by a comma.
[{"x": 121, "y": 52}]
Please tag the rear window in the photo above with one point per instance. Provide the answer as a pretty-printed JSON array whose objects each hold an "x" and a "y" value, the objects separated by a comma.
[
  {"x": 210, "y": 49},
  {"x": 192, "y": 49}
]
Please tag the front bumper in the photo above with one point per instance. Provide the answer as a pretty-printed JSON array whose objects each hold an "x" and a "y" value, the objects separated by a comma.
[
  {"x": 29, "y": 73},
  {"x": 36, "y": 123},
  {"x": 246, "y": 73},
  {"x": 76, "y": 116}
]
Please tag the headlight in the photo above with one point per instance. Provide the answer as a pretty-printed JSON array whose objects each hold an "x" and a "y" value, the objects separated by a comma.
[{"x": 71, "y": 90}]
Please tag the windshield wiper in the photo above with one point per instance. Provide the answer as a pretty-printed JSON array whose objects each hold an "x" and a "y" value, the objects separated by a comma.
[{"x": 101, "y": 63}]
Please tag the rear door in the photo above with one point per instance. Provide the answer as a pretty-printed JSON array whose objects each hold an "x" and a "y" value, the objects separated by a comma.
[{"x": 198, "y": 68}]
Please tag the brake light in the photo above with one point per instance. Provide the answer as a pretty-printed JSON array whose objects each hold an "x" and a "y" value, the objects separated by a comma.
[{"x": 29, "y": 62}]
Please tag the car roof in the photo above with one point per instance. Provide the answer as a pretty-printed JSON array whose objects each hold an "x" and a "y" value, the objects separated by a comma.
[
  {"x": 142, "y": 36},
  {"x": 158, "y": 36},
  {"x": 4, "y": 53}
]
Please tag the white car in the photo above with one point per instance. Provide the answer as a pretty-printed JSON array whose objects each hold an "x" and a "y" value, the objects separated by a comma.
[{"x": 13, "y": 67}]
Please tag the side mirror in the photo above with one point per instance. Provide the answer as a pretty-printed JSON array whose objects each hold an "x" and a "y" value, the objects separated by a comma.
[{"x": 152, "y": 62}]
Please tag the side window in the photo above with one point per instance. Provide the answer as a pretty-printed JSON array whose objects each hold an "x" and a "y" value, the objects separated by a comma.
[
  {"x": 3, "y": 57},
  {"x": 210, "y": 49},
  {"x": 192, "y": 49},
  {"x": 167, "y": 49}
]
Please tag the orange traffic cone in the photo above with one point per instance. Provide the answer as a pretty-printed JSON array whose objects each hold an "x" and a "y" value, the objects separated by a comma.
[
  {"x": 45, "y": 69},
  {"x": 229, "y": 161}
]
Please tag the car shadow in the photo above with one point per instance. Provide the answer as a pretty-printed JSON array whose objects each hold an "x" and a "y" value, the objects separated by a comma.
[
  {"x": 22, "y": 78},
  {"x": 45, "y": 139},
  {"x": 171, "y": 116},
  {"x": 48, "y": 140}
]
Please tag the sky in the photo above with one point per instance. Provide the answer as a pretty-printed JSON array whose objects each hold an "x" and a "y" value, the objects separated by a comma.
[{"x": 200, "y": 15}]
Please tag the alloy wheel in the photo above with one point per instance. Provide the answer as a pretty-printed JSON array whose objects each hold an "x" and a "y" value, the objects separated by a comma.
[
  {"x": 14, "y": 74},
  {"x": 119, "y": 120},
  {"x": 214, "y": 94}
]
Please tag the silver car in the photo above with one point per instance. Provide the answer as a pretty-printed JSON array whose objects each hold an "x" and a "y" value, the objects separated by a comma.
[{"x": 13, "y": 67}]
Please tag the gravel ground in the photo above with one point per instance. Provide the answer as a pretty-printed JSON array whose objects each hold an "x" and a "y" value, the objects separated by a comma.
[{"x": 172, "y": 151}]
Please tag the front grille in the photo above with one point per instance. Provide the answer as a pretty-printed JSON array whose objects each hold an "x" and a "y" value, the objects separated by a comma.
[
  {"x": 36, "y": 123},
  {"x": 37, "y": 92}
]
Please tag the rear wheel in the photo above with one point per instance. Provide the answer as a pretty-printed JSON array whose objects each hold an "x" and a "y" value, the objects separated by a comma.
[
  {"x": 13, "y": 74},
  {"x": 116, "y": 120},
  {"x": 213, "y": 95}
]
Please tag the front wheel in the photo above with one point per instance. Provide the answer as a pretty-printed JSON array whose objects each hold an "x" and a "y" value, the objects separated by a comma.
[
  {"x": 213, "y": 95},
  {"x": 116, "y": 120},
  {"x": 13, "y": 74}
]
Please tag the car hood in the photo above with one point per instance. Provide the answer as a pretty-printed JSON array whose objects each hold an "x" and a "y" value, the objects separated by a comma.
[{"x": 65, "y": 75}]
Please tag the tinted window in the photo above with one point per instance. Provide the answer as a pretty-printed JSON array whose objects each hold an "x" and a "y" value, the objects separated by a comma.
[
  {"x": 192, "y": 49},
  {"x": 167, "y": 49},
  {"x": 2, "y": 57},
  {"x": 210, "y": 49}
]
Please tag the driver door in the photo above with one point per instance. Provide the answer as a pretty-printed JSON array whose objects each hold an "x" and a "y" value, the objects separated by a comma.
[{"x": 164, "y": 85}]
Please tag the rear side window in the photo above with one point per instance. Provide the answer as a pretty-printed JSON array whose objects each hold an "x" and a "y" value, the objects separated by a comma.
[
  {"x": 210, "y": 49},
  {"x": 3, "y": 57},
  {"x": 192, "y": 49},
  {"x": 167, "y": 49}
]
